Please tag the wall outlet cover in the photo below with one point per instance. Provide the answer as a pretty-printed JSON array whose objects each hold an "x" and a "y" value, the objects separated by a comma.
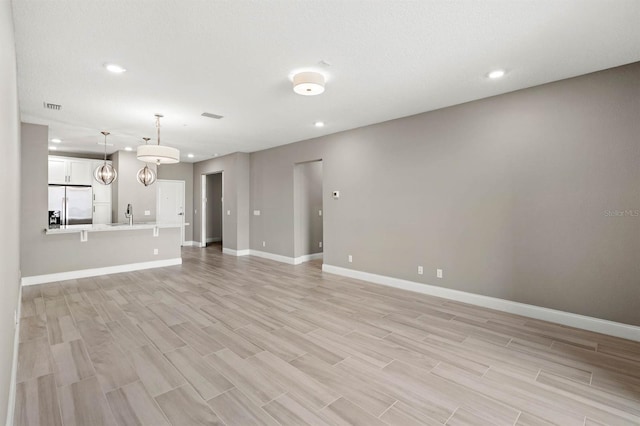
[
  {"x": 350, "y": 259},
  {"x": 155, "y": 251},
  {"x": 439, "y": 273},
  {"x": 228, "y": 212},
  {"x": 264, "y": 244},
  {"x": 320, "y": 244},
  {"x": 420, "y": 270},
  {"x": 256, "y": 212},
  {"x": 319, "y": 212},
  {"x": 147, "y": 212}
]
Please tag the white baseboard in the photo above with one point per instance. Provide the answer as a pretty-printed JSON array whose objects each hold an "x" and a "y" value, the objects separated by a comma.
[
  {"x": 612, "y": 328},
  {"x": 11, "y": 407},
  {"x": 191, "y": 244},
  {"x": 272, "y": 256},
  {"x": 84, "y": 273},
  {"x": 307, "y": 257},
  {"x": 214, "y": 239},
  {"x": 233, "y": 252}
]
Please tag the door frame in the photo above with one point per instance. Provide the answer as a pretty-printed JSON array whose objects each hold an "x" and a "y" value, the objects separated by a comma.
[
  {"x": 184, "y": 204},
  {"x": 203, "y": 206}
]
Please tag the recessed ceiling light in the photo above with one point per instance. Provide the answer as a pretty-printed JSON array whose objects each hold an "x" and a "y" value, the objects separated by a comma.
[
  {"x": 190, "y": 155},
  {"x": 319, "y": 124},
  {"x": 496, "y": 74},
  {"x": 53, "y": 148},
  {"x": 56, "y": 140},
  {"x": 128, "y": 148},
  {"x": 115, "y": 68}
]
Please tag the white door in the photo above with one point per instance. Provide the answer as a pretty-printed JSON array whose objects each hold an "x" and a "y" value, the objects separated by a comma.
[{"x": 170, "y": 208}]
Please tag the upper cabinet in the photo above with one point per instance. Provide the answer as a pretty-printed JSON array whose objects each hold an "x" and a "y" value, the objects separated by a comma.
[{"x": 70, "y": 171}]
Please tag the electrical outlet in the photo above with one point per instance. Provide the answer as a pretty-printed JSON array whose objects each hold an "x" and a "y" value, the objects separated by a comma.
[
  {"x": 264, "y": 244},
  {"x": 319, "y": 212},
  {"x": 350, "y": 259},
  {"x": 439, "y": 273},
  {"x": 147, "y": 212},
  {"x": 420, "y": 270},
  {"x": 155, "y": 251},
  {"x": 228, "y": 212},
  {"x": 320, "y": 244}
]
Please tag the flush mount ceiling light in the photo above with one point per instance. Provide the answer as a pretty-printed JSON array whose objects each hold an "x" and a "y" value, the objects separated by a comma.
[
  {"x": 115, "y": 68},
  {"x": 105, "y": 173},
  {"x": 128, "y": 148},
  {"x": 56, "y": 140},
  {"x": 308, "y": 83},
  {"x": 495, "y": 74},
  {"x": 158, "y": 154},
  {"x": 319, "y": 124},
  {"x": 146, "y": 176}
]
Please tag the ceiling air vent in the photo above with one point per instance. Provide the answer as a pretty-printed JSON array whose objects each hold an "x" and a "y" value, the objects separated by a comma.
[
  {"x": 208, "y": 114},
  {"x": 54, "y": 107}
]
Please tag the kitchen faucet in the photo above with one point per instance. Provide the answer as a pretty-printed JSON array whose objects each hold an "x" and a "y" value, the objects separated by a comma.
[{"x": 129, "y": 214}]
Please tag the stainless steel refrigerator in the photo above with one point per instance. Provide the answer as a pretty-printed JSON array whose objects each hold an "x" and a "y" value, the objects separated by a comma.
[{"x": 70, "y": 205}]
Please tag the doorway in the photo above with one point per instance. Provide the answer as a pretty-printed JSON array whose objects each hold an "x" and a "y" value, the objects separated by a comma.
[
  {"x": 308, "y": 217},
  {"x": 170, "y": 204},
  {"x": 212, "y": 210}
]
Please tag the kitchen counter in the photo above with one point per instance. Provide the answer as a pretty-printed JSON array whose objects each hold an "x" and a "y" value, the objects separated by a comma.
[{"x": 70, "y": 229}]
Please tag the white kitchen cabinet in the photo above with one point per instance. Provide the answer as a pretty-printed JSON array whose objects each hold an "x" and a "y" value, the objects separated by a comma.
[
  {"x": 101, "y": 198},
  {"x": 57, "y": 171},
  {"x": 101, "y": 213},
  {"x": 79, "y": 172},
  {"x": 70, "y": 171}
]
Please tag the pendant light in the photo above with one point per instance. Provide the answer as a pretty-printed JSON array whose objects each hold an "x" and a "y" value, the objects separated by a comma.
[
  {"x": 158, "y": 154},
  {"x": 105, "y": 173},
  {"x": 146, "y": 176}
]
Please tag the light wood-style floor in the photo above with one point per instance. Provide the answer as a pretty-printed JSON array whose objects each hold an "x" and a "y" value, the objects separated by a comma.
[{"x": 242, "y": 341}]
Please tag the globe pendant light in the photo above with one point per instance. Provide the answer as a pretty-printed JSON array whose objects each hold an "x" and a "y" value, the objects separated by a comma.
[
  {"x": 146, "y": 176},
  {"x": 105, "y": 173},
  {"x": 156, "y": 153}
]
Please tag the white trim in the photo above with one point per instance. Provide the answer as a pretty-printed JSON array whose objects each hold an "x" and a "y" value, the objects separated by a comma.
[
  {"x": 84, "y": 273},
  {"x": 233, "y": 252},
  {"x": 307, "y": 257},
  {"x": 272, "y": 256},
  {"x": 11, "y": 408},
  {"x": 214, "y": 239},
  {"x": 191, "y": 243},
  {"x": 598, "y": 325}
]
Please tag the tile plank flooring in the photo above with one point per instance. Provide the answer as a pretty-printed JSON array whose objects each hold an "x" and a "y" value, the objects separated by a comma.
[{"x": 243, "y": 341}]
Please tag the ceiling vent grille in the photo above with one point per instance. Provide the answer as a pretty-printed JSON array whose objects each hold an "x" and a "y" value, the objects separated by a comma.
[
  {"x": 54, "y": 107},
  {"x": 208, "y": 114}
]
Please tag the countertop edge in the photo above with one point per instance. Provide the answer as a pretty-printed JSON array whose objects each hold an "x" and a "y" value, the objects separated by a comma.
[{"x": 108, "y": 228}]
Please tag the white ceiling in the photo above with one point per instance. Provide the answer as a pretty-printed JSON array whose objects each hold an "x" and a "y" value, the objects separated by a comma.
[{"x": 388, "y": 59}]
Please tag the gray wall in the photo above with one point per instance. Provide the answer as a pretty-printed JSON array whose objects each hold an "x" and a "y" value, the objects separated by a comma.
[
  {"x": 307, "y": 184},
  {"x": 509, "y": 195},
  {"x": 10, "y": 196},
  {"x": 46, "y": 254},
  {"x": 235, "y": 168},
  {"x": 127, "y": 189},
  {"x": 214, "y": 207},
  {"x": 182, "y": 171}
]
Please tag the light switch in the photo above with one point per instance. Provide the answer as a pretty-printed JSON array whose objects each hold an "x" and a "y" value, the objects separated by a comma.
[
  {"x": 319, "y": 212},
  {"x": 256, "y": 212},
  {"x": 147, "y": 212},
  {"x": 228, "y": 212},
  {"x": 439, "y": 273}
]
